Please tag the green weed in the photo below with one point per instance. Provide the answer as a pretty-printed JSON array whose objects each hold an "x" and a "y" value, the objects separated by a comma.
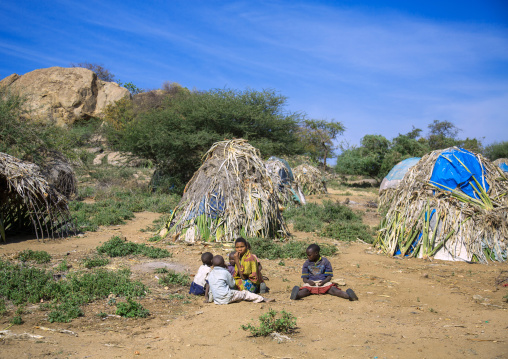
[
  {"x": 270, "y": 323},
  {"x": 38, "y": 257},
  {"x": 62, "y": 266},
  {"x": 131, "y": 309},
  {"x": 175, "y": 278},
  {"x": 117, "y": 247},
  {"x": 17, "y": 320},
  {"x": 269, "y": 249},
  {"x": 95, "y": 262}
]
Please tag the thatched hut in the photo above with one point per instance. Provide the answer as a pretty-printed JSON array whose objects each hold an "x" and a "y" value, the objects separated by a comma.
[
  {"x": 59, "y": 173},
  {"x": 452, "y": 205},
  {"x": 392, "y": 180},
  {"x": 230, "y": 195},
  {"x": 310, "y": 179},
  {"x": 28, "y": 202},
  {"x": 288, "y": 190}
]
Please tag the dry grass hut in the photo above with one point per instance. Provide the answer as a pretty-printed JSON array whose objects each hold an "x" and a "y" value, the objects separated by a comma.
[
  {"x": 392, "y": 180},
  {"x": 452, "y": 205},
  {"x": 230, "y": 195},
  {"x": 59, "y": 173},
  {"x": 310, "y": 179},
  {"x": 28, "y": 202},
  {"x": 288, "y": 190}
]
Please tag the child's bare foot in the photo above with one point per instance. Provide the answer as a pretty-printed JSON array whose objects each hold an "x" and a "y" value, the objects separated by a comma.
[{"x": 352, "y": 295}]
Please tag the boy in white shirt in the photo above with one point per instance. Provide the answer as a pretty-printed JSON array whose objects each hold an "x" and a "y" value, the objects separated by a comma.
[{"x": 198, "y": 284}]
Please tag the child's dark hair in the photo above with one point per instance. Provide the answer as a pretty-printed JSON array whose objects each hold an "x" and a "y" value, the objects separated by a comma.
[
  {"x": 314, "y": 248},
  {"x": 241, "y": 240},
  {"x": 206, "y": 257}
]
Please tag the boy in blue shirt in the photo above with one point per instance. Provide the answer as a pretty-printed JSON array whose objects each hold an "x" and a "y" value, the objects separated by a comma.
[{"x": 316, "y": 275}]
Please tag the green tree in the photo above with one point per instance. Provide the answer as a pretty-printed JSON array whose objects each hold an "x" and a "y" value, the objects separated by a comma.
[
  {"x": 497, "y": 150},
  {"x": 317, "y": 137},
  {"x": 442, "y": 134},
  {"x": 365, "y": 160},
  {"x": 176, "y": 135}
]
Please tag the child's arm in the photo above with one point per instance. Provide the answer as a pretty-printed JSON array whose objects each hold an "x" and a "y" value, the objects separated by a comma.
[
  {"x": 308, "y": 281},
  {"x": 238, "y": 265},
  {"x": 207, "y": 288},
  {"x": 326, "y": 280}
]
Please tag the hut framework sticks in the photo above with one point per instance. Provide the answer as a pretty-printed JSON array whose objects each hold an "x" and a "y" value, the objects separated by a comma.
[
  {"x": 288, "y": 190},
  {"x": 230, "y": 195},
  {"x": 28, "y": 201},
  {"x": 426, "y": 218}
]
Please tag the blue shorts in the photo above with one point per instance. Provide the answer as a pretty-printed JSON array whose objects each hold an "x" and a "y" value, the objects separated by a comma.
[{"x": 196, "y": 289}]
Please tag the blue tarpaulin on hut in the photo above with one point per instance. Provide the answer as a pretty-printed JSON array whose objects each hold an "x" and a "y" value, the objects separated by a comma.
[
  {"x": 400, "y": 169},
  {"x": 456, "y": 167},
  {"x": 504, "y": 167}
]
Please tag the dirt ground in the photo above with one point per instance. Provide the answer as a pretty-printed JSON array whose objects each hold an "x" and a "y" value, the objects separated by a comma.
[{"x": 407, "y": 308}]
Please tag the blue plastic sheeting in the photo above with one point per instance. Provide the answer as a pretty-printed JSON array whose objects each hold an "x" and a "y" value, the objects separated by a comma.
[
  {"x": 216, "y": 206},
  {"x": 456, "y": 167},
  {"x": 504, "y": 167},
  {"x": 400, "y": 169},
  {"x": 417, "y": 240}
]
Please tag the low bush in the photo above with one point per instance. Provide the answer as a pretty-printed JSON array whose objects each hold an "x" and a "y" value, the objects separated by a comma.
[
  {"x": 24, "y": 285},
  {"x": 131, "y": 309},
  {"x": 173, "y": 277},
  {"x": 331, "y": 219},
  {"x": 271, "y": 323},
  {"x": 38, "y": 257},
  {"x": 270, "y": 249},
  {"x": 117, "y": 247},
  {"x": 95, "y": 262}
]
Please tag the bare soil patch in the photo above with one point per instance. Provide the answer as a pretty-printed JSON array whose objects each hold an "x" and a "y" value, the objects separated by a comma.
[{"x": 408, "y": 308}]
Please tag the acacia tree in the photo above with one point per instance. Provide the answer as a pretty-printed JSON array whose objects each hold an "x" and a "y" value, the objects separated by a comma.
[{"x": 317, "y": 137}]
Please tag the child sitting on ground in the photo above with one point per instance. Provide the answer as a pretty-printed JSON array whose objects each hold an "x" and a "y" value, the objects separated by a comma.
[
  {"x": 231, "y": 265},
  {"x": 317, "y": 274},
  {"x": 263, "y": 288},
  {"x": 198, "y": 284},
  {"x": 221, "y": 285}
]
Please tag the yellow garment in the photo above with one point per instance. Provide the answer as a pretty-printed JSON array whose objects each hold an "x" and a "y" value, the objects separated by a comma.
[{"x": 249, "y": 265}]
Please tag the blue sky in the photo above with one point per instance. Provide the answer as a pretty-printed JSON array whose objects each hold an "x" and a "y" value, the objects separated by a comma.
[{"x": 379, "y": 67}]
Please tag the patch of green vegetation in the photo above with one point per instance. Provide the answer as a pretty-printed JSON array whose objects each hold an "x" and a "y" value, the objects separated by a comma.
[
  {"x": 114, "y": 205},
  {"x": 161, "y": 270},
  {"x": 17, "y": 320},
  {"x": 92, "y": 262},
  {"x": 38, "y": 257},
  {"x": 173, "y": 277},
  {"x": 270, "y": 323},
  {"x": 3, "y": 308},
  {"x": 331, "y": 219},
  {"x": 154, "y": 239},
  {"x": 24, "y": 285},
  {"x": 270, "y": 249},
  {"x": 131, "y": 309},
  {"x": 117, "y": 247},
  {"x": 62, "y": 266}
]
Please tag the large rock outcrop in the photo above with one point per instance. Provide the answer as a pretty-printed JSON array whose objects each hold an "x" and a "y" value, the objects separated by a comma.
[{"x": 64, "y": 94}]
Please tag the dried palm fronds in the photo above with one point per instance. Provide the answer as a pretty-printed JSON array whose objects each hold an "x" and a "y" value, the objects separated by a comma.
[
  {"x": 287, "y": 188},
  {"x": 310, "y": 179},
  {"x": 28, "y": 201},
  {"x": 230, "y": 195},
  {"x": 59, "y": 173},
  {"x": 425, "y": 219}
]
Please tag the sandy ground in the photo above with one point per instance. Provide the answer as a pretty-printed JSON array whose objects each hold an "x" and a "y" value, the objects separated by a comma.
[{"x": 408, "y": 308}]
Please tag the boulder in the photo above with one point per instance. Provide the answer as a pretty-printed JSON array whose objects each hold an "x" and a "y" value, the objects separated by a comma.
[{"x": 64, "y": 94}]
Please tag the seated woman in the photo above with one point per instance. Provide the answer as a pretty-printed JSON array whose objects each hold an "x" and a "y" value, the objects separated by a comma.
[{"x": 247, "y": 276}]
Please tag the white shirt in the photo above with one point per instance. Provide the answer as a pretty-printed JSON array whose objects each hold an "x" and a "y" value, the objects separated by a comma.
[
  {"x": 200, "y": 277},
  {"x": 221, "y": 282}
]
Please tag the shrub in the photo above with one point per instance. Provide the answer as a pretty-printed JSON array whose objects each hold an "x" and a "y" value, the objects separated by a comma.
[
  {"x": 65, "y": 312},
  {"x": 95, "y": 262},
  {"x": 348, "y": 232},
  {"x": 173, "y": 277},
  {"x": 38, "y": 257},
  {"x": 269, "y": 249},
  {"x": 63, "y": 266},
  {"x": 17, "y": 320},
  {"x": 131, "y": 309},
  {"x": 116, "y": 247},
  {"x": 269, "y": 323}
]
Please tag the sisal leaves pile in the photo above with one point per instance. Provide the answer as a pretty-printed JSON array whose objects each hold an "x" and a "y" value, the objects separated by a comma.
[
  {"x": 28, "y": 201},
  {"x": 310, "y": 179},
  {"x": 230, "y": 195},
  {"x": 423, "y": 217}
]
